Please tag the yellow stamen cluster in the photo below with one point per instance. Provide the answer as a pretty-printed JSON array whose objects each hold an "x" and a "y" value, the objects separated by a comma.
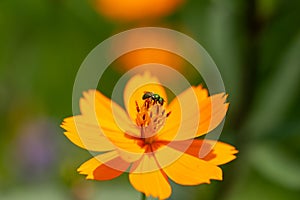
[
  {"x": 143, "y": 118},
  {"x": 150, "y": 118}
]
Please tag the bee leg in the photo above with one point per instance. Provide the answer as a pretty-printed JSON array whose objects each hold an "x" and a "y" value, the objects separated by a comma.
[{"x": 147, "y": 104}]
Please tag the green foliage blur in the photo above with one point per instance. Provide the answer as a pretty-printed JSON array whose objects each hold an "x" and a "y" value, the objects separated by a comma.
[{"x": 255, "y": 44}]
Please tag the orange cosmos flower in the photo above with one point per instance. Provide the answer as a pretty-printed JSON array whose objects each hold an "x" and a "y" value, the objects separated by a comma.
[
  {"x": 152, "y": 140},
  {"x": 133, "y": 10}
]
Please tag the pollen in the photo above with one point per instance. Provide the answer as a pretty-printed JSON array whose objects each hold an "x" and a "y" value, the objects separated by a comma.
[
  {"x": 142, "y": 118},
  {"x": 151, "y": 117}
]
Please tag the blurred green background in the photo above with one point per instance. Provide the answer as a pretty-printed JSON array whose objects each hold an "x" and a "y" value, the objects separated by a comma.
[{"x": 255, "y": 44}]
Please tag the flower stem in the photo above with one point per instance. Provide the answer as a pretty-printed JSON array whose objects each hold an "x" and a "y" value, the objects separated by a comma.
[{"x": 143, "y": 197}]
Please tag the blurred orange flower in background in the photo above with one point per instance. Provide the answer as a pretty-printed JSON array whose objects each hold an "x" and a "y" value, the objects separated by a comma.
[
  {"x": 145, "y": 56},
  {"x": 135, "y": 10},
  {"x": 148, "y": 55},
  {"x": 152, "y": 140}
]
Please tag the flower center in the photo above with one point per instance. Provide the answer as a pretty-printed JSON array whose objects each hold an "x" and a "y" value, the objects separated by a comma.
[{"x": 151, "y": 117}]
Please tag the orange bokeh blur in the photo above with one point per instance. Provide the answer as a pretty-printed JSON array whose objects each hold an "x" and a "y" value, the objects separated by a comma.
[
  {"x": 135, "y": 10},
  {"x": 149, "y": 54},
  {"x": 144, "y": 56}
]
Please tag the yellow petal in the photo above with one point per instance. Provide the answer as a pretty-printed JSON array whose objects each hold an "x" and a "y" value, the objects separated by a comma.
[
  {"x": 189, "y": 170},
  {"x": 135, "y": 89},
  {"x": 193, "y": 113},
  {"x": 214, "y": 152},
  {"x": 100, "y": 110},
  {"x": 153, "y": 183},
  {"x": 183, "y": 121},
  {"x": 212, "y": 111},
  {"x": 103, "y": 126},
  {"x": 222, "y": 153},
  {"x": 194, "y": 147},
  {"x": 201, "y": 92},
  {"x": 129, "y": 148},
  {"x": 104, "y": 167},
  {"x": 90, "y": 136}
]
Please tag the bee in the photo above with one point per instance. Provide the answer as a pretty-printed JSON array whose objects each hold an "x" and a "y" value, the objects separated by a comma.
[{"x": 153, "y": 97}]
